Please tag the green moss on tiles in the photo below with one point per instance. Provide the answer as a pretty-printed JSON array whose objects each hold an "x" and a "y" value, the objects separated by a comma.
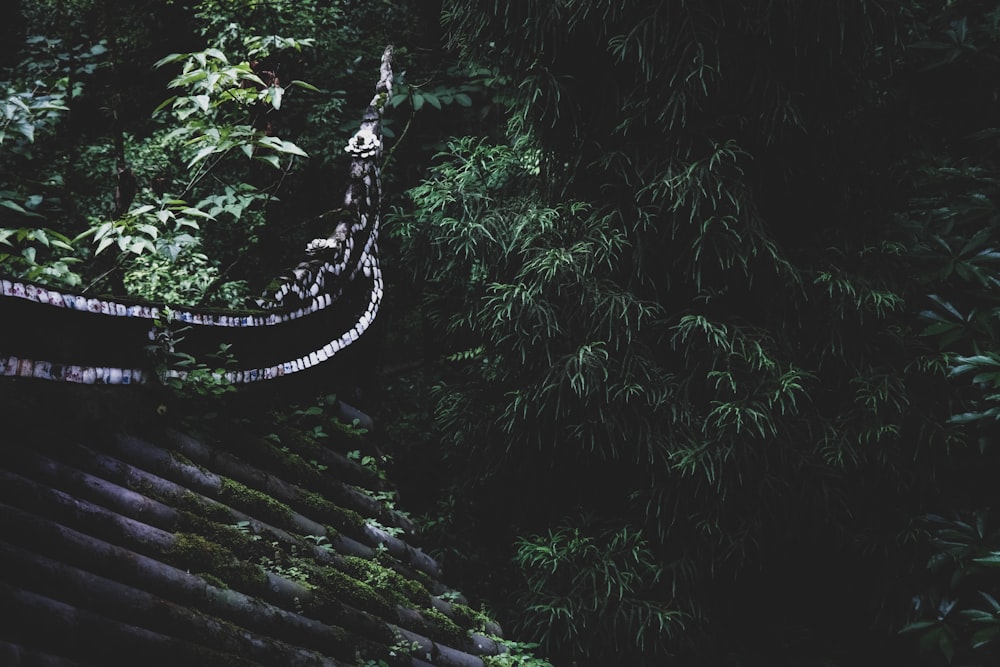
[
  {"x": 197, "y": 504},
  {"x": 315, "y": 503},
  {"x": 423, "y": 579},
  {"x": 185, "y": 461},
  {"x": 388, "y": 582},
  {"x": 198, "y": 554},
  {"x": 279, "y": 459},
  {"x": 245, "y": 545},
  {"x": 468, "y": 617},
  {"x": 446, "y": 630},
  {"x": 213, "y": 580},
  {"x": 302, "y": 443},
  {"x": 336, "y": 586},
  {"x": 254, "y": 502},
  {"x": 348, "y": 520},
  {"x": 345, "y": 520}
]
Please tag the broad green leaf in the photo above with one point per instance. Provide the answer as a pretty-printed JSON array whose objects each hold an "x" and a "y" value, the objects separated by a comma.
[
  {"x": 40, "y": 236},
  {"x": 137, "y": 247},
  {"x": 105, "y": 242},
  {"x": 289, "y": 147},
  {"x": 270, "y": 159},
  {"x": 217, "y": 54},
  {"x": 276, "y": 92}
]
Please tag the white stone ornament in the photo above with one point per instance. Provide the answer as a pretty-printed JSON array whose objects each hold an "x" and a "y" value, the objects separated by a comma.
[{"x": 364, "y": 144}]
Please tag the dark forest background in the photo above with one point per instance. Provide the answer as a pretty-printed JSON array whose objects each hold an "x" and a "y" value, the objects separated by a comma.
[{"x": 690, "y": 349}]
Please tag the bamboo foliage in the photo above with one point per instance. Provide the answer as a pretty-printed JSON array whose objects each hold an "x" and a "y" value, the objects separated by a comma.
[{"x": 695, "y": 288}]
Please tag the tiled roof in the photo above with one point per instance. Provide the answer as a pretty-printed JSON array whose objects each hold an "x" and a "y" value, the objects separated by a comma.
[{"x": 126, "y": 539}]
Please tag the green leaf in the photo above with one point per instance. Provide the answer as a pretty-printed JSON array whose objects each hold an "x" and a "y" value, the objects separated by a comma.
[
  {"x": 919, "y": 625},
  {"x": 276, "y": 93},
  {"x": 172, "y": 58},
  {"x": 14, "y": 206},
  {"x": 303, "y": 84},
  {"x": 105, "y": 242},
  {"x": 40, "y": 236},
  {"x": 289, "y": 147},
  {"x": 195, "y": 213},
  {"x": 27, "y": 130},
  {"x": 992, "y": 559},
  {"x": 201, "y": 155},
  {"x": 270, "y": 159},
  {"x": 216, "y": 54}
]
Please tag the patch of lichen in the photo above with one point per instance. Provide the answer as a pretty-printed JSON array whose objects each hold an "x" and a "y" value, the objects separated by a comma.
[
  {"x": 388, "y": 582},
  {"x": 254, "y": 502},
  {"x": 198, "y": 554}
]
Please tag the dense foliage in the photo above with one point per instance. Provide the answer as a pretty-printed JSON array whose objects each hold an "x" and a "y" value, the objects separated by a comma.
[
  {"x": 705, "y": 294},
  {"x": 174, "y": 150},
  {"x": 692, "y": 345}
]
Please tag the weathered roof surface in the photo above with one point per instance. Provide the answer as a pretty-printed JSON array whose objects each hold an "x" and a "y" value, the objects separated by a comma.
[{"x": 226, "y": 543}]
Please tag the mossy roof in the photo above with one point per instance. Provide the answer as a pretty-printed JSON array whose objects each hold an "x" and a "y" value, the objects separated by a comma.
[{"x": 129, "y": 536}]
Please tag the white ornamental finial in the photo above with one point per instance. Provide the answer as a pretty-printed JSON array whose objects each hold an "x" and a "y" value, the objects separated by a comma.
[{"x": 363, "y": 144}]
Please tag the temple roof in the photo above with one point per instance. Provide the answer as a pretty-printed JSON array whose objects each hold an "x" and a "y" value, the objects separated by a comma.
[{"x": 221, "y": 539}]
